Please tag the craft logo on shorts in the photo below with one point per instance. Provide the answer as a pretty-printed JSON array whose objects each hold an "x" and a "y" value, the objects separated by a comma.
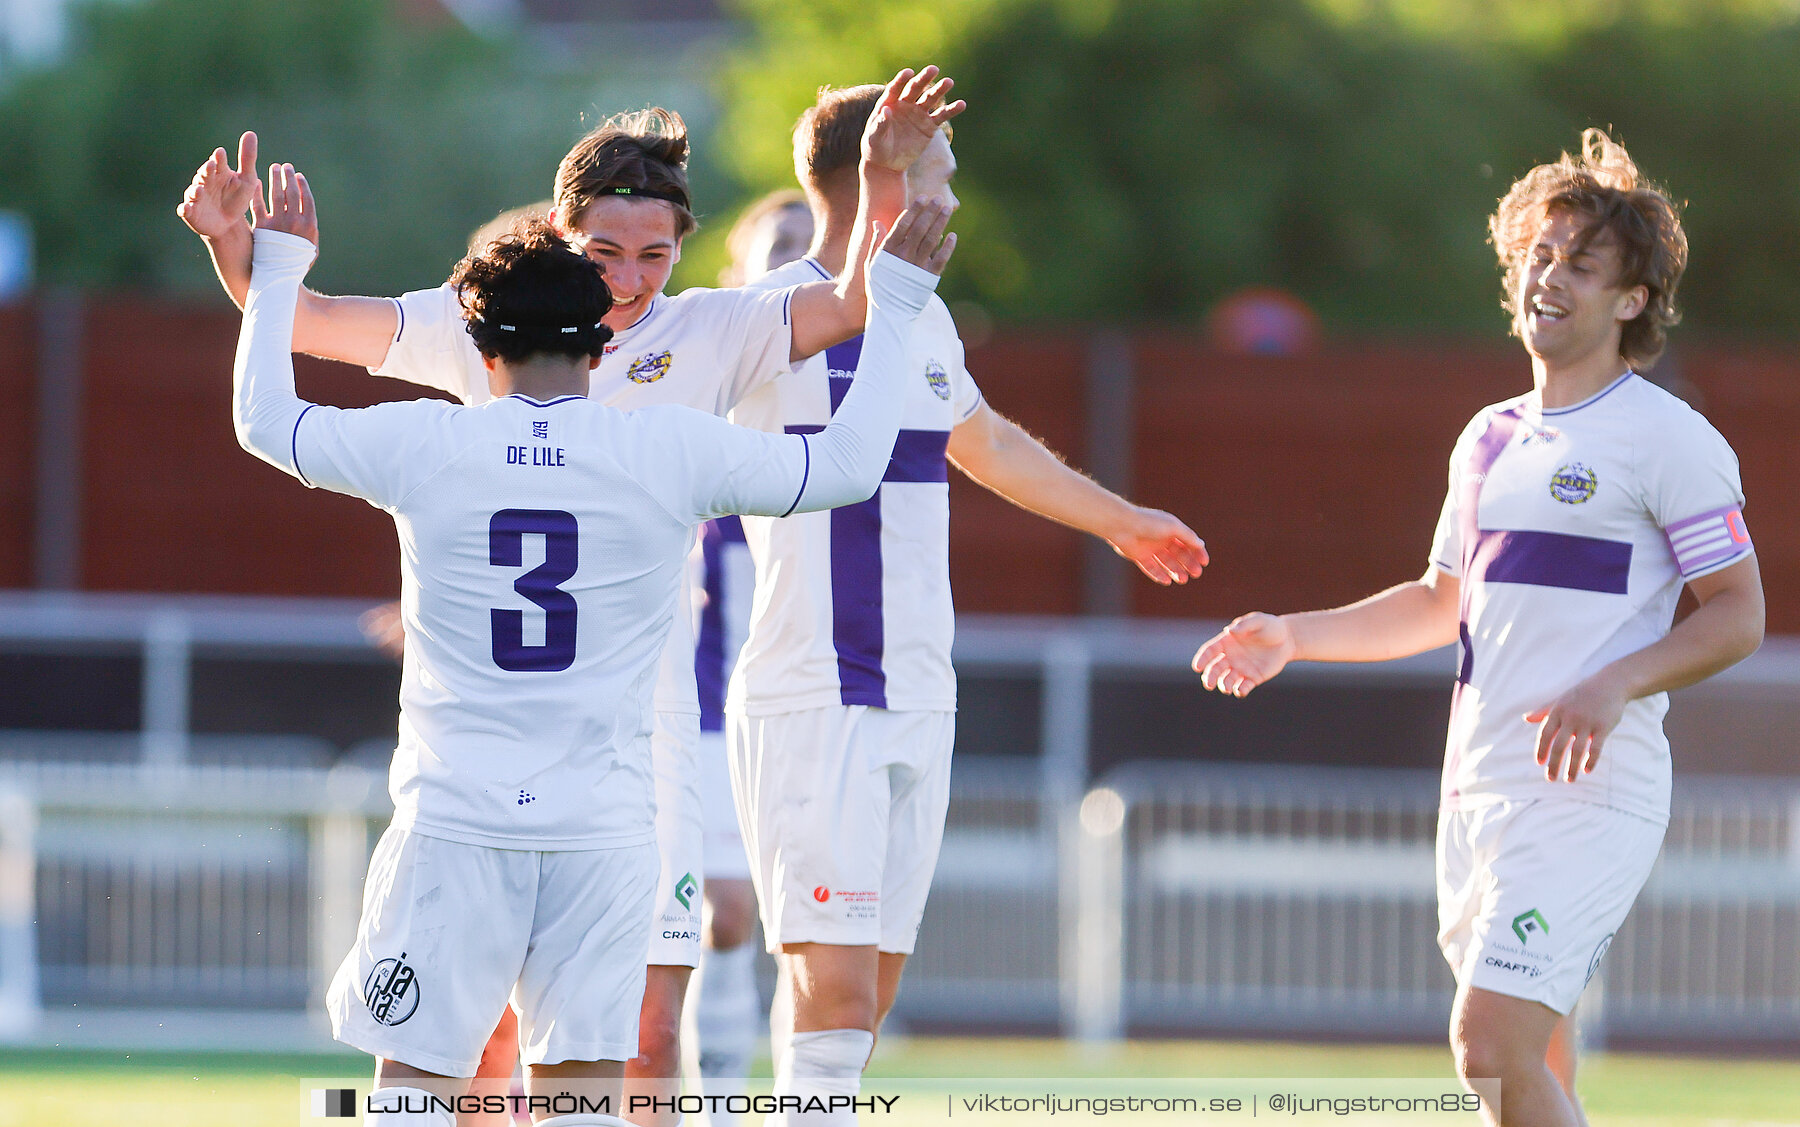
[
  {"x": 392, "y": 991},
  {"x": 685, "y": 890},
  {"x": 1599, "y": 953},
  {"x": 649, "y": 368},
  {"x": 1527, "y": 924},
  {"x": 936, "y": 377},
  {"x": 821, "y": 894},
  {"x": 1573, "y": 484}
]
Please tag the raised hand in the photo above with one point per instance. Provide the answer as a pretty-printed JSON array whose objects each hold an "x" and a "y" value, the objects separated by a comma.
[
  {"x": 1573, "y": 728},
  {"x": 918, "y": 237},
  {"x": 219, "y": 197},
  {"x": 290, "y": 208},
  {"x": 910, "y": 112},
  {"x": 1162, "y": 547},
  {"x": 1245, "y": 654}
]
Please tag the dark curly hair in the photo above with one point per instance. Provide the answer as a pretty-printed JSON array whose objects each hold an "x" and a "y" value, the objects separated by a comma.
[
  {"x": 1605, "y": 191},
  {"x": 527, "y": 292}
]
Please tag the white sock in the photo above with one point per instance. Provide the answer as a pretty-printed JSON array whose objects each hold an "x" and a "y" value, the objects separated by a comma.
[
  {"x": 823, "y": 1063},
  {"x": 427, "y": 1114}
]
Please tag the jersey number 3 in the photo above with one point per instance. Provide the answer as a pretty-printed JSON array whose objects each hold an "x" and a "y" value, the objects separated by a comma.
[{"x": 506, "y": 548}]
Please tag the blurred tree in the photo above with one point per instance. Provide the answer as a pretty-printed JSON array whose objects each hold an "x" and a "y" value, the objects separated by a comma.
[
  {"x": 411, "y": 136},
  {"x": 1129, "y": 159}
]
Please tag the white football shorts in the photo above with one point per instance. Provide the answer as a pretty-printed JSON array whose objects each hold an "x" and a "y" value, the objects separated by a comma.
[
  {"x": 449, "y": 931},
  {"x": 844, "y": 810},
  {"x": 1530, "y": 894},
  {"x": 680, "y": 840},
  {"x": 725, "y": 855}
]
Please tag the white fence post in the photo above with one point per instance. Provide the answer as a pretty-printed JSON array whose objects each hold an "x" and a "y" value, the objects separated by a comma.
[
  {"x": 1099, "y": 972},
  {"x": 1065, "y": 720},
  {"x": 167, "y": 652},
  {"x": 21, "y": 1005}
]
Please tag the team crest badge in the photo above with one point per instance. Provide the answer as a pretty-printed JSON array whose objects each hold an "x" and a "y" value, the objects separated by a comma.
[
  {"x": 649, "y": 368},
  {"x": 1573, "y": 484},
  {"x": 392, "y": 991},
  {"x": 939, "y": 381}
]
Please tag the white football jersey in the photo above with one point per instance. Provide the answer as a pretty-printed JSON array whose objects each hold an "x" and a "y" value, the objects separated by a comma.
[
  {"x": 1572, "y": 532},
  {"x": 542, "y": 547},
  {"x": 700, "y": 348},
  {"x": 724, "y": 585},
  {"x": 853, "y": 606}
]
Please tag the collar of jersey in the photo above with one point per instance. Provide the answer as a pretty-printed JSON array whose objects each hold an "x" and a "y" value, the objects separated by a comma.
[
  {"x": 655, "y": 304},
  {"x": 547, "y": 403},
  {"x": 1590, "y": 400}
]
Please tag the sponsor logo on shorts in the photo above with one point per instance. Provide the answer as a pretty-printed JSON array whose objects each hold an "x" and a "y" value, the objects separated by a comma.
[
  {"x": 526, "y": 798},
  {"x": 1528, "y": 924},
  {"x": 1574, "y": 483},
  {"x": 686, "y": 889},
  {"x": 685, "y": 935},
  {"x": 650, "y": 367},
  {"x": 1525, "y": 969},
  {"x": 938, "y": 379},
  {"x": 392, "y": 991},
  {"x": 1599, "y": 953},
  {"x": 821, "y": 894}
]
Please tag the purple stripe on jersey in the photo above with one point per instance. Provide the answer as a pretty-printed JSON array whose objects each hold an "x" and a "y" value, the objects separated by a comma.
[
  {"x": 919, "y": 456},
  {"x": 1488, "y": 449},
  {"x": 857, "y": 630},
  {"x": 1552, "y": 559},
  {"x": 709, "y": 646}
]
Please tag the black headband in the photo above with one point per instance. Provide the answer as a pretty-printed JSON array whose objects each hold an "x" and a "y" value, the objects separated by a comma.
[{"x": 647, "y": 193}]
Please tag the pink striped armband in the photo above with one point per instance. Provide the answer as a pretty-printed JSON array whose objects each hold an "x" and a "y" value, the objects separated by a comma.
[{"x": 1703, "y": 542}]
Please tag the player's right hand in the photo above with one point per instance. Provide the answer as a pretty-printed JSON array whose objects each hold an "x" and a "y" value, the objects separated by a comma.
[
  {"x": 290, "y": 208},
  {"x": 911, "y": 111},
  {"x": 219, "y": 197},
  {"x": 1253, "y": 649},
  {"x": 918, "y": 237}
]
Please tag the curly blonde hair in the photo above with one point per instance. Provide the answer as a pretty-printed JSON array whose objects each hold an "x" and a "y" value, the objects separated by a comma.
[{"x": 1604, "y": 190}]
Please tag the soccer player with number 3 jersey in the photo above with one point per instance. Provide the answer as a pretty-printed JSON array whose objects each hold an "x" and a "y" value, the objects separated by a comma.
[
  {"x": 521, "y": 860},
  {"x": 1575, "y": 515}
]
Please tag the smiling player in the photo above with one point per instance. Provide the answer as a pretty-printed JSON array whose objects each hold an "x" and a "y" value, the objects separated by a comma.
[
  {"x": 1575, "y": 515},
  {"x": 621, "y": 197}
]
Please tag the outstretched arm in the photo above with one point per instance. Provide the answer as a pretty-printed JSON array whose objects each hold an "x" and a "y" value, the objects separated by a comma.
[
  {"x": 911, "y": 111},
  {"x": 1404, "y": 620},
  {"x": 1725, "y": 629},
  {"x": 265, "y": 411},
  {"x": 1000, "y": 455},
  {"x": 356, "y": 330}
]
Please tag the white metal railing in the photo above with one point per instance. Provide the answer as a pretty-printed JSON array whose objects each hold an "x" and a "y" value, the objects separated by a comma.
[{"x": 1183, "y": 896}]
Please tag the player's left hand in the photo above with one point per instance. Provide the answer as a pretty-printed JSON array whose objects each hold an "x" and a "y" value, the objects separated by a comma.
[
  {"x": 911, "y": 111},
  {"x": 1162, "y": 547},
  {"x": 290, "y": 208},
  {"x": 1572, "y": 728}
]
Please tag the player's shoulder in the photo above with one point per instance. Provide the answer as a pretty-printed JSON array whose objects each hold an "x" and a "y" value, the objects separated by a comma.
[
  {"x": 796, "y": 273},
  {"x": 1678, "y": 429}
]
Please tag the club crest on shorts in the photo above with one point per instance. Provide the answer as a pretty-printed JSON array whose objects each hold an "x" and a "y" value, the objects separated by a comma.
[
  {"x": 1528, "y": 924},
  {"x": 821, "y": 894},
  {"x": 938, "y": 379},
  {"x": 650, "y": 367},
  {"x": 1574, "y": 483},
  {"x": 392, "y": 991},
  {"x": 685, "y": 890},
  {"x": 1599, "y": 953}
]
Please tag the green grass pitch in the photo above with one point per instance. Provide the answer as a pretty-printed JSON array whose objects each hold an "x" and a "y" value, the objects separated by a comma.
[{"x": 40, "y": 1088}]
